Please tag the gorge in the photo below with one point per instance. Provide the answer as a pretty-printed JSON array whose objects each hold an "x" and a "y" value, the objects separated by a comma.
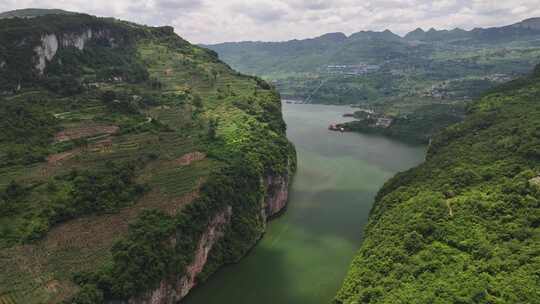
[
  {"x": 305, "y": 253},
  {"x": 138, "y": 168}
]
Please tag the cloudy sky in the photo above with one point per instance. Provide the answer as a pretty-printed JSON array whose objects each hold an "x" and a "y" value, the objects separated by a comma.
[{"x": 211, "y": 21}]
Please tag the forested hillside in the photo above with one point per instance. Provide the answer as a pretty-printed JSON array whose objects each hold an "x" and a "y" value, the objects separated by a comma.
[
  {"x": 464, "y": 227},
  {"x": 132, "y": 164}
]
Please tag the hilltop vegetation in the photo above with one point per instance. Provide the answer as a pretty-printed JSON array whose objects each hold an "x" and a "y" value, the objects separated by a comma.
[
  {"x": 464, "y": 227},
  {"x": 117, "y": 137},
  {"x": 33, "y": 12}
]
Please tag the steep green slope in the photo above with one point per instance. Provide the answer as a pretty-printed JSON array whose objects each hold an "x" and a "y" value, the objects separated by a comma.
[
  {"x": 464, "y": 227},
  {"x": 130, "y": 161}
]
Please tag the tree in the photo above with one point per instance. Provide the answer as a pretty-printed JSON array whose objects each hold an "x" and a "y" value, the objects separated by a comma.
[
  {"x": 10, "y": 195},
  {"x": 108, "y": 96},
  {"x": 197, "y": 102},
  {"x": 89, "y": 294},
  {"x": 13, "y": 190},
  {"x": 414, "y": 242},
  {"x": 212, "y": 128}
]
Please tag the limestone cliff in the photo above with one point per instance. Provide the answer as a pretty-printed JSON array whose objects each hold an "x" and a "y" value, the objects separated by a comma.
[
  {"x": 173, "y": 290},
  {"x": 277, "y": 193},
  {"x": 51, "y": 43}
]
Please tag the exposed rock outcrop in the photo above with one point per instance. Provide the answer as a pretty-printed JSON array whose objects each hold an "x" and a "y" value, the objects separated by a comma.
[
  {"x": 277, "y": 194},
  {"x": 46, "y": 51},
  {"x": 171, "y": 291},
  {"x": 215, "y": 231},
  {"x": 51, "y": 43},
  {"x": 77, "y": 40}
]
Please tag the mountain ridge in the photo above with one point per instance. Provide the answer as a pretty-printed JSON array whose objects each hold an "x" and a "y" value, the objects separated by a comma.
[
  {"x": 33, "y": 12},
  {"x": 529, "y": 23},
  {"x": 382, "y": 68}
]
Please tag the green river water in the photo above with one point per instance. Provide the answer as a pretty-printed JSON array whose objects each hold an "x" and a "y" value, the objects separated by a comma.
[{"x": 305, "y": 253}]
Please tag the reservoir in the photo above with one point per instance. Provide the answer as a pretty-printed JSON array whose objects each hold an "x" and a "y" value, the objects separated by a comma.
[{"x": 305, "y": 254}]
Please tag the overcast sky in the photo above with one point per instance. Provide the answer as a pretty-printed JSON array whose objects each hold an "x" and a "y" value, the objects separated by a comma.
[{"x": 211, "y": 21}]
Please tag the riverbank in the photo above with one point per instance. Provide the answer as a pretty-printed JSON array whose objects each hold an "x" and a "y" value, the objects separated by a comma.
[
  {"x": 417, "y": 127},
  {"x": 305, "y": 253},
  {"x": 463, "y": 227}
]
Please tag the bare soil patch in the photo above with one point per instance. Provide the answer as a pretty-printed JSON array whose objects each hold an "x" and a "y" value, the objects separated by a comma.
[
  {"x": 84, "y": 131},
  {"x": 189, "y": 158},
  {"x": 77, "y": 245},
  {"x": 57, "y": 159}
]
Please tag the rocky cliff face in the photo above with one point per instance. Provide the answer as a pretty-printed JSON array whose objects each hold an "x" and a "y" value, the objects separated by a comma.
[
  {"x": 173, "y": 290},
  {"x": 277, "y": 194},
  {"x": 51, "y": 43},
  {"x": 46, "y": 51}
]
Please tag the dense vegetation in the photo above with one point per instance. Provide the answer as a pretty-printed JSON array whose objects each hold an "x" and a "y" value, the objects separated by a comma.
[
  {"x": 26, "y": 133},
  {"x": 417, "y": 127},
  {"x": 33, "y": 12},
  {"x": 119, "y": 147},
  {"x": 34, "y": 208},
  {"x": 464, "y": 226},
  {"x": 144, "y": 257}
]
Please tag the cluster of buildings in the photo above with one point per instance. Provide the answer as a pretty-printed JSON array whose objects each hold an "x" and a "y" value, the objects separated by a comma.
[
  {"x": 372, "y": 120},
  {"x": 444, "y": 90},
  {"x": 500, "y": 78},
  {"x": 358, "y": 69},
  {"x": 384, "y": 122}
]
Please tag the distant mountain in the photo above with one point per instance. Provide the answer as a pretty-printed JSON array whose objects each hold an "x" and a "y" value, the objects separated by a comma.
[
  {"x": 275, "y": 58},
  {"x": 532, "y": 23},
  {"x": 333, "y": 37},
  {"x": 371, "y": 35},
  {"x": 417, "y": 34},
  {"x": 417, "y": 65},
  {"x": 436, "y": 35},
  {"x": 520, "y": 30},
  {"x": 33, "y": 12}
]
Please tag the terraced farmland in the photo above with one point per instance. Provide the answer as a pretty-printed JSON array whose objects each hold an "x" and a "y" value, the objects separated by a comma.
[
  {"x": 41, "y": 271},
  {"x": 110, "y": 134}
]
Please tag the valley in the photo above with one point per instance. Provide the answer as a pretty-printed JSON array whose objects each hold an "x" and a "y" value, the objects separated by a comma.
[
  {"x": 305, "y": 253},
  {"x": 403, "y": 78},
  {"x": 138, "y": 168}
]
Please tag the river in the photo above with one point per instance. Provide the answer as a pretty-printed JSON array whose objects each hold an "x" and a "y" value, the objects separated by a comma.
[{"x": 305, "y": 254}]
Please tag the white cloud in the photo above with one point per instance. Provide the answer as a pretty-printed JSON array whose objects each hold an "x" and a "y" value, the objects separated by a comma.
[{"x": 209, "y": 21}]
